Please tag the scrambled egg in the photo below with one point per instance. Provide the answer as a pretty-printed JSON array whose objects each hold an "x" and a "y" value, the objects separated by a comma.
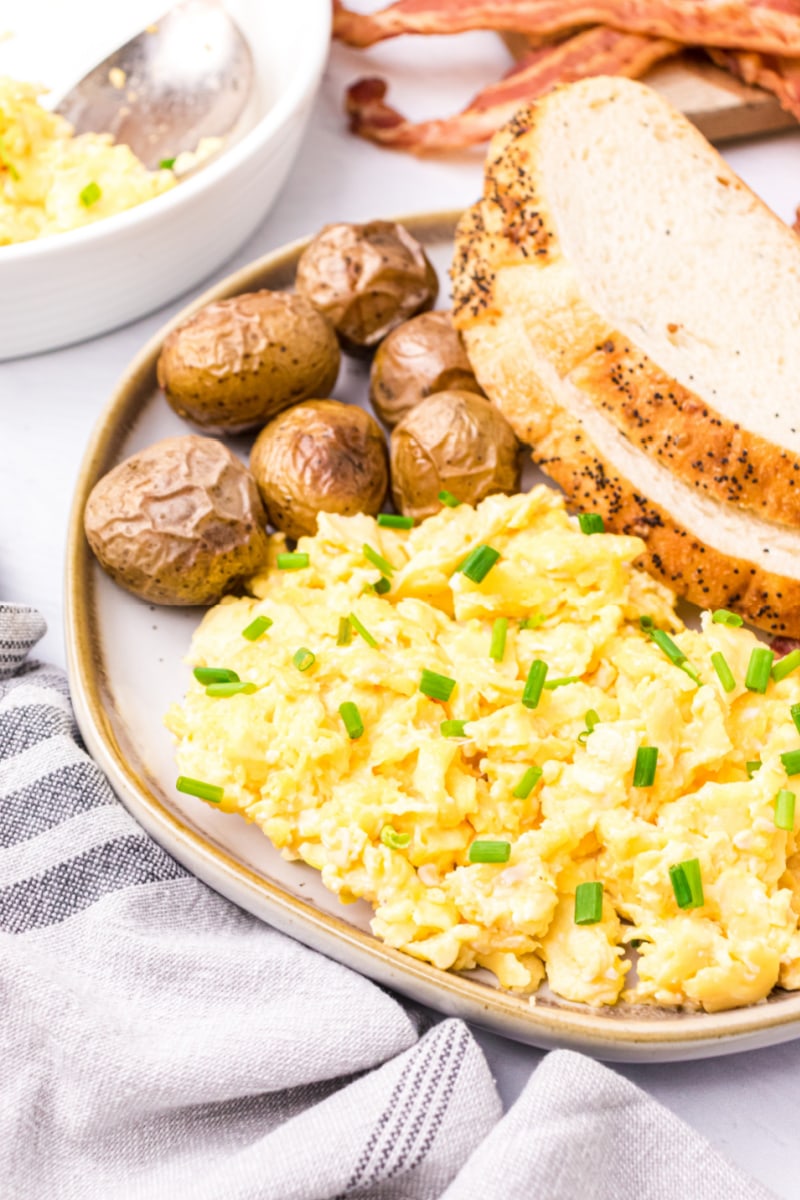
[
  {"x": 284, "y": 759},
  {"x": 51, "y": 181}
]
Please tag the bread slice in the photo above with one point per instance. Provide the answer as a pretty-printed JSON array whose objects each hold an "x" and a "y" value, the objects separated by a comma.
[{"x": 634, "y": 310}]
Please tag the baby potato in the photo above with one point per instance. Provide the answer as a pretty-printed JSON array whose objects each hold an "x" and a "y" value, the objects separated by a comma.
[
  {"x": 420, "y": 357},
  {"x": 453, "y": 441},
  {"x": 178, "y": 523},
  {"x": 236, "y": 363},
  {"x": 320, "y": 456},
  {"x": 367, "y": 279}
]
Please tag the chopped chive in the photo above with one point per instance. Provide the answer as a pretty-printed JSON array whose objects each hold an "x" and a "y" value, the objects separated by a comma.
[
  {"x": 435, "y": 686},
  {"x": 758, "y": 669},
  {"x": 377, "y": 560},
  {"x": 668, "y": 646},
  {"x": 592, "y": 718},
  {"x": 230, "y": 689},
  {"x": 394, "y": 840},
  {"x": 345, "y": 635},
  {"x": 533, "y": 622},
  {"x": 479, "y": 562},
  {"x": 215, "y": 675},
  {"x": 687, "y": 884},
  {"x": 784, "y": 810},
  {"x": 752, "y": 766},
  {"x": 453, "y": 729},
  {"x": 353, "y": 723},
  {"x": 254, "y": 630},
  {"x": 720, "y": 664},
  {"x": 303, "y": 658},
  {"x": 646, "y": 623},
  {"x": 166, "y": 164},
  {"x": 6, "y": 162},
  {"x": 551, "y": 684},
  {"x": 721, "y": 616},
  {"x": 795, "y": 714},
  {"x": 591, "y": 523},
  {"x": 497, "y": 648},
  {"x": 90, "y": 194},
  {"x": 448, "y": 498},
  {"x": 532, "y": 691},
  {"x": 644, "y": 771},
  {"x": 489, "y": 852},
  {"x": 527, "y": 783},
  {"x": 292, "y": 562},
  {"x": 362, "y": 630},
  {"x": 784, "y": 666},
  {"x": 791, "y": 762},
  {"x": 203, "y": 791},
  {"x": 395, "y": 521},
  {"x": 381, "y": 586},
  {"x": 588, "y": 903}
]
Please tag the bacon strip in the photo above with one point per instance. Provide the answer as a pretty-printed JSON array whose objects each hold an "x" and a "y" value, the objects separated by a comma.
[
  {"x": 769, "y": 26},
  {"x": 775, "y": 73},
  {"x": 596, "y": 52}
]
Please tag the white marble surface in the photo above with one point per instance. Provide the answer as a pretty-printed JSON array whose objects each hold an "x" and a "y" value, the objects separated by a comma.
[{"x": 748, "y": 1105}]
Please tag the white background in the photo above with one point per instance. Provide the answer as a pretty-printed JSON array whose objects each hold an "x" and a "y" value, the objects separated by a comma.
[{"x": 748, "y": 1105}]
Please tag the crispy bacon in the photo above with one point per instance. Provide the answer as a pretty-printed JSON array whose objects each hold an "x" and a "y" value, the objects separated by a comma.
[
  {"x": 775, "y": 73},
  {"x": 769, "y": 26},
  {"x": 595, "y": 52}
]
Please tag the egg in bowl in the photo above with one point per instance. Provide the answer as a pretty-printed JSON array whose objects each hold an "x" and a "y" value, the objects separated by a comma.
[{"x": 514, "y": 750}]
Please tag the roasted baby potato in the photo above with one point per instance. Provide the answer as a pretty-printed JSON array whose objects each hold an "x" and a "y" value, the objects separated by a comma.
[
  {"x": 238, "y": 362},
  {"x": 420, "y": 357},
  {"x": 452, "y": 441},
  {"x": 366, "y": 279},
  {"x": 178, "y": 523},
  {"x": 320, "y": 456}
]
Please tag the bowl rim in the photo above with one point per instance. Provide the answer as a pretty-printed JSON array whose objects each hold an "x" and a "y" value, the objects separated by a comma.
[{"x": 309, "y": 66}]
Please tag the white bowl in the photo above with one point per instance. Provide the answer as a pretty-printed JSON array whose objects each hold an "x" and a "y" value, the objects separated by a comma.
[{"x": 70, "y": 286}]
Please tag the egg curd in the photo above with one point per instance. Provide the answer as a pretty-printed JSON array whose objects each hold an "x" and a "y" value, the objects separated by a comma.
[
  {"x": 52, "y": 181},
  {"x": 284, "y": 758}
]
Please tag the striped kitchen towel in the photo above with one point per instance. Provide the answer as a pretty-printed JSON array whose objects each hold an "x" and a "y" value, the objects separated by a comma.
[{"x": 155, "y": 1041}]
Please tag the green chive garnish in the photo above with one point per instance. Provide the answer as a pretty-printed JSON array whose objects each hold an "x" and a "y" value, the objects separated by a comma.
[
  {"x": 784, "y": 810},
  {"x": 533, "y": 622},
  {"x": 791, "y": 762},
  {"x": 552, "y": 684},
  {"x": 203, "y": 791},
  {"x": 377, "y": 560},
  {"x": 453, "y": 729},
  {"x": 720, "y": 664},
  {"x": 230, "y": 689},
  {"x": 752, "y": 766},
  {"x": 795, "y": 714},
  {"x": 532, "y": 691},
  {"x": 670, "y": 648},
  {"x": 687, "y": 884},
  {"x": 489, "y": 852},
  {"x": 758, "y": 670},
  {"x": 167, "y": 164},
  {"x": 303, "y": 658},
  {"x": 784, "y": 666},
  {"x": 215, "y": 675},
  {"x": 498, "y": 646},
  {"x": 90, "y": 195},
  {"x": 721, "y": 616},
  {"x": 352, "y": 719},
  {"x": 479, "y": 562},
  {"x": 395, "y": 521},
  {"x": 254, "y": 630},
  {"x": 6, "y": 162},
  {"x": 361, "y": 630},
  {"x": 591, "y": 719},
  {"x": 591, "y": 523},
  {"x": 382, "y": 586},
  {"x": 437, "y": 687},
  {"x": 345, "y": 635},
  {"x": 394, "y": 840},
  {"x": 448, "y": 498},
  {"x": 588, "y": 903},
  {"x": 644, "y": 771},
  {"x": 292, "y": 562},
  {"x": 527, "y": 783}
]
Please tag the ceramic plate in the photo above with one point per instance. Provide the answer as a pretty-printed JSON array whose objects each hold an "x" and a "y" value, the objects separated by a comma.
[{"x": 126, "y": 667}]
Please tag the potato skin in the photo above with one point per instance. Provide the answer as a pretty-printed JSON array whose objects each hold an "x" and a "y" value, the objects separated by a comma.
[
  {"x": 366, "y": 279},
  {"x": 422, "y": 356},
  {"x": 236, "y": 363},
  {"x": 178, "y": 523},
  {"x": 320, "y": 456},
  {"x": 456, "y": 441}
]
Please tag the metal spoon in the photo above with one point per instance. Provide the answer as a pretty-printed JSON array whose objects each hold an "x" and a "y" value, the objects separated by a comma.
[{"x": 187, "y": 76}]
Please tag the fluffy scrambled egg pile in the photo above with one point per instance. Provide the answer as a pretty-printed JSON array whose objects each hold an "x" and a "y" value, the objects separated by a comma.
[
  {"x": 51, "y": 181},
  {"x": 283, "y": 758}
]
